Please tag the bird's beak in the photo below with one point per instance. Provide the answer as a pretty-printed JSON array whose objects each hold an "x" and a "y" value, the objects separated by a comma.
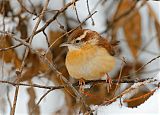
[{"x": 64, "y": 44}]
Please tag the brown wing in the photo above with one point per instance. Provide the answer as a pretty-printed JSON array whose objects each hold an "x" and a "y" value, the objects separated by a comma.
[{"x": 105, "y": 44}]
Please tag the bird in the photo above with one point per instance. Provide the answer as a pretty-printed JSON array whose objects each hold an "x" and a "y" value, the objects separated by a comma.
[{"x": 89, "y": 56}]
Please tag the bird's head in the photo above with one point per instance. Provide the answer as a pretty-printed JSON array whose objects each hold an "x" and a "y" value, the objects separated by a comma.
[
  {"x": 81, "y": 37},
  {"x": 85, "y": 37}
]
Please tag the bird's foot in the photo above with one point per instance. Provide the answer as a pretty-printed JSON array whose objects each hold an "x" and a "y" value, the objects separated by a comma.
[
  {"x": 81, "y": 89},
  {"x": 81, "y": 85},
  {"x": 109, "y": 82}
]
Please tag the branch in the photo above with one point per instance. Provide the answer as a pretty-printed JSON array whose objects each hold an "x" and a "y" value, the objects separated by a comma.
[{"x": 90, "y": 82}]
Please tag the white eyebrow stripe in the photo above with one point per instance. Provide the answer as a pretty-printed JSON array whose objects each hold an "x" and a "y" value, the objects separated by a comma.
[{"x": 83, "y": 35}]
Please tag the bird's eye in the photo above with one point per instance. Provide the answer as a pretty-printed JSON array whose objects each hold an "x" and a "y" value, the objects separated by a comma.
[{"x": 77, "y": 41}]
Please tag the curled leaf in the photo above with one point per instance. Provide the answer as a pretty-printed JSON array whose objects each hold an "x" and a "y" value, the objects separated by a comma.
[{"x": 139, "y": 98}]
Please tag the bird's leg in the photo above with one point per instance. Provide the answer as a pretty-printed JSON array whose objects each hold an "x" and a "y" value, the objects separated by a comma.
[
  {"x": 109, "y": 82},
  {"x": 81, "y": 84},
  {"x": 81, "y": 88}
]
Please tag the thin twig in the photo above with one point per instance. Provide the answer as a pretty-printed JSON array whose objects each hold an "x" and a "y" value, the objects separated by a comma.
[
  {"x": 9, "y": 101},
  {"x": 90, "y": 12},
  {"x": 119, "y": 77},
  {"x": 77, "y": 14},
  {"x": 146, "y": 45},
  {"x": 43, "y": 96},
  {"x": 14, "y": 101},
  {"x": 20, "y": 2},
  {"x": 9, "y": 48},
  {"x": 55, "y": 16},
  {"x": 47, "y": 39},
  {"x": 142, "y": 67}
]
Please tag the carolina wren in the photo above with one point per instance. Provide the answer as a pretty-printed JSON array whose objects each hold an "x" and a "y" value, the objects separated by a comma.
[{"x": 90, "y": 56}]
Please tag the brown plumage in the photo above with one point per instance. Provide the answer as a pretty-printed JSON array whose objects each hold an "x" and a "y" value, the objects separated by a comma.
[
  {"x": 89, "y": 56},
  {"x": 91, "y": 35}
]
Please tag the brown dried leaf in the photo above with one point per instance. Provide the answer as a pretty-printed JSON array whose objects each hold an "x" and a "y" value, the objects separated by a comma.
[
  {"x": 5, "y": 7},
  {"x": 139, "y": 98},
  {"x": 157, "y": 25},
  {"x": 37, "y": 67},
  {"x": 132, "y": 30},
  {"x": 123, "y": 13},
  {"x": 9, "y": 56},
  {"x": 22, "y": 27},
  {"x": 55, "y": 41},
  {"x": 131, "y": 21},
  {"x": 32, "y": 101}
]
